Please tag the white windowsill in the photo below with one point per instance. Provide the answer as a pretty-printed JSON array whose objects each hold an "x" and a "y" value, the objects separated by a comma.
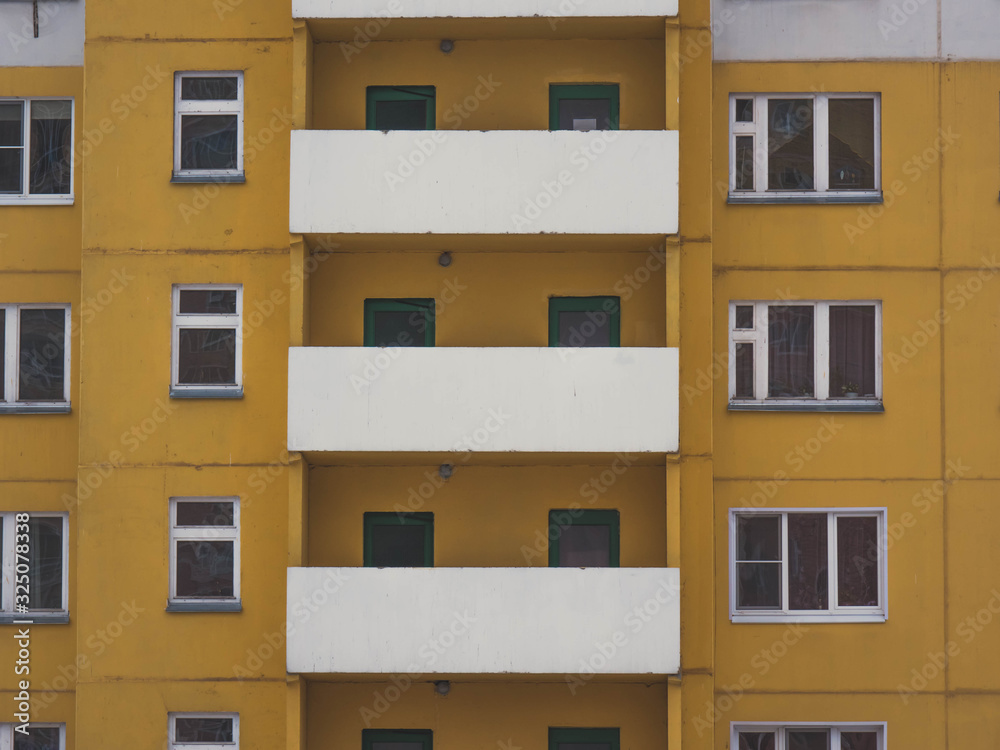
[
  {"x": 861, "y": 405},
  {"x": 821, "y": 618},
  {"x": 860, "y": 196},
  {"x": 34, "y": 618},
  {"x": 35, "y": 408},
  {"x": 32, "y": 200}
]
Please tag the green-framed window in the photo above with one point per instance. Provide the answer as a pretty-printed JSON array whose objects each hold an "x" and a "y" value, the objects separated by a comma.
[
  {"x": 399, "y": 322},
  {"x": 399, "y": 540},
  {"x": 584, "y": 538},
  {"x": 396, "y": 739},
  {"x": 583, "y": 106},
  {"x": 400, "y": 108},
  {"x": 584, "y": 321},
  {"x": 583, "y": 739}
]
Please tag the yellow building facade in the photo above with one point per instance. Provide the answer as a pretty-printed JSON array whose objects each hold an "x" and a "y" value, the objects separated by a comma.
[{"x": 258, "y": 517}]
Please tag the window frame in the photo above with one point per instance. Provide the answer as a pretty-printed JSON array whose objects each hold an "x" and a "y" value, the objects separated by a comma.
[
  {"x": 205, "y": 321},
  {"x": 422, "y": 519},
  {"x": 821, "y": 192},
  {"x": 781, "y": 729},
  {"x": 172, "y": 743},
  {"x": 375, "y": 94},
  {"x": 41, "y": 199},
  {"x": 8, "y": 562},
  {"x": 834, "y": 613},
  {"x": 579, "y": 517},
  {"x": 11, "y": 363},
  {"x": 559, "y": 305},
  {"x": 400, "y": 304},
  {"x": 609, "y": 91},
  {"x": 197, "y": 533},
  {"x": 370, "y": 736},
  {"x": 209, "y": 107},
  {"x": 7, "y": 732},
  {"x": 574, "y": 735},
  {"x": 758, "y": 337}
]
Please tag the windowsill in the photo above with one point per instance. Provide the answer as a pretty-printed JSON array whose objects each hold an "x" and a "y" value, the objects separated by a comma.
[
  {"x": 176, "y": 392},
  {"x": 209, "y": 178},
  {"x": 35, "y": 618},
  {"x": 799, "y": 198},
  {"x": 35, "y": 409},
  {"x": 216, "y": 606},
  {"x": 31, "y": 200},
  {"x": 837, "y": 405},
  {"x": 816, "y": 619}
]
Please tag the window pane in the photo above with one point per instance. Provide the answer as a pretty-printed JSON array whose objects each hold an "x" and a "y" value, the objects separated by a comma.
[
  {"x": 758, "y": 585},
  {"x": 400, "y": 327},
  {"x": 744, "y": 317},
  {"x": 41, "y": 358},
  {"x": 207, "y": 302},
  {"x": 584, "y": 328},
  {"x": 205, "y": 514},
  {"x": 859, "y": 741},
  {"x": 409, "y": 114},
  {"x": 38, "y": 738},
  {"x": 396, "y": 545},
  {"x": 744, "y": 162},
  {"x": 744, "y": 371},
  {"x": 808, "y": 572},
  {"x": 207, "y": 356},
  {"x": 857, "y": 561},
  {"x": 790, "y": 356},
  {"x": 758, "y": 537},
  {"x": 852, "y": 350},
  {"x": 584, "y": 546},
  {"x": 790, "y": 144},
  {"x": 51, "y": 147},
  {"x": 205, "y": 569},
  {"x": 756, "y": 741},
  {"x": 11, "y": 124},
  {"x": 45, "y": 559},
  {"x": 203, "y": 729},
  {"x": 852, "y": 144},
  {"x": 208, "y": 141},
  {"x": 210, "y": 88},
  {"x": 744, "y": 110},
  {"x": 808, "y": 740},
  {"x": 584, "y": 114},
  {"x": 11, "y": 168}
]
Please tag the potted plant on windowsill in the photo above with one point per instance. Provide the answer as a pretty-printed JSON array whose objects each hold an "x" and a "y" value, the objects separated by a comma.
[{"x": 850, "y": 390}]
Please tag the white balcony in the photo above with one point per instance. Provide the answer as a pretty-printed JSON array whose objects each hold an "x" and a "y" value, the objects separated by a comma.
[
  {"x": 476, "y": 182},
  {"x": 580, "y": 621},
  {"x": 481, "y": 8},
  {"x": 483, "y": 399}
]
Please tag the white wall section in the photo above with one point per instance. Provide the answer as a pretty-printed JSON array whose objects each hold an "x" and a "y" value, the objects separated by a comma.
[
  {"x": 483, "y": 399},
  {"x": 60, "y": 35},
  {"x": 481, "y": 8},
  {"x": 484, "y": 620},
  {"x": 493, "y": 182}
]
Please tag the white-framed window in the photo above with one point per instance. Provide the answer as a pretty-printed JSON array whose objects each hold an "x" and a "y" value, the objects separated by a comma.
[
  {"x": 35, "y": 341},
  {"x": 788, "y": 353},
  {"x": 208, "y": 125},
  {"x": 867, "y": 735},
  {"x": 784, "y": 147},
  {"x": 203, "y": 731},
  {"x": 40, "y": 736},
  {"x": 36, "y": 150},
  {"x": 796, "y": 564},
  {"x": 204, "y": 549},
  {"x": 34, "y": 555},
  {"x": 207, "y": 340}
]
